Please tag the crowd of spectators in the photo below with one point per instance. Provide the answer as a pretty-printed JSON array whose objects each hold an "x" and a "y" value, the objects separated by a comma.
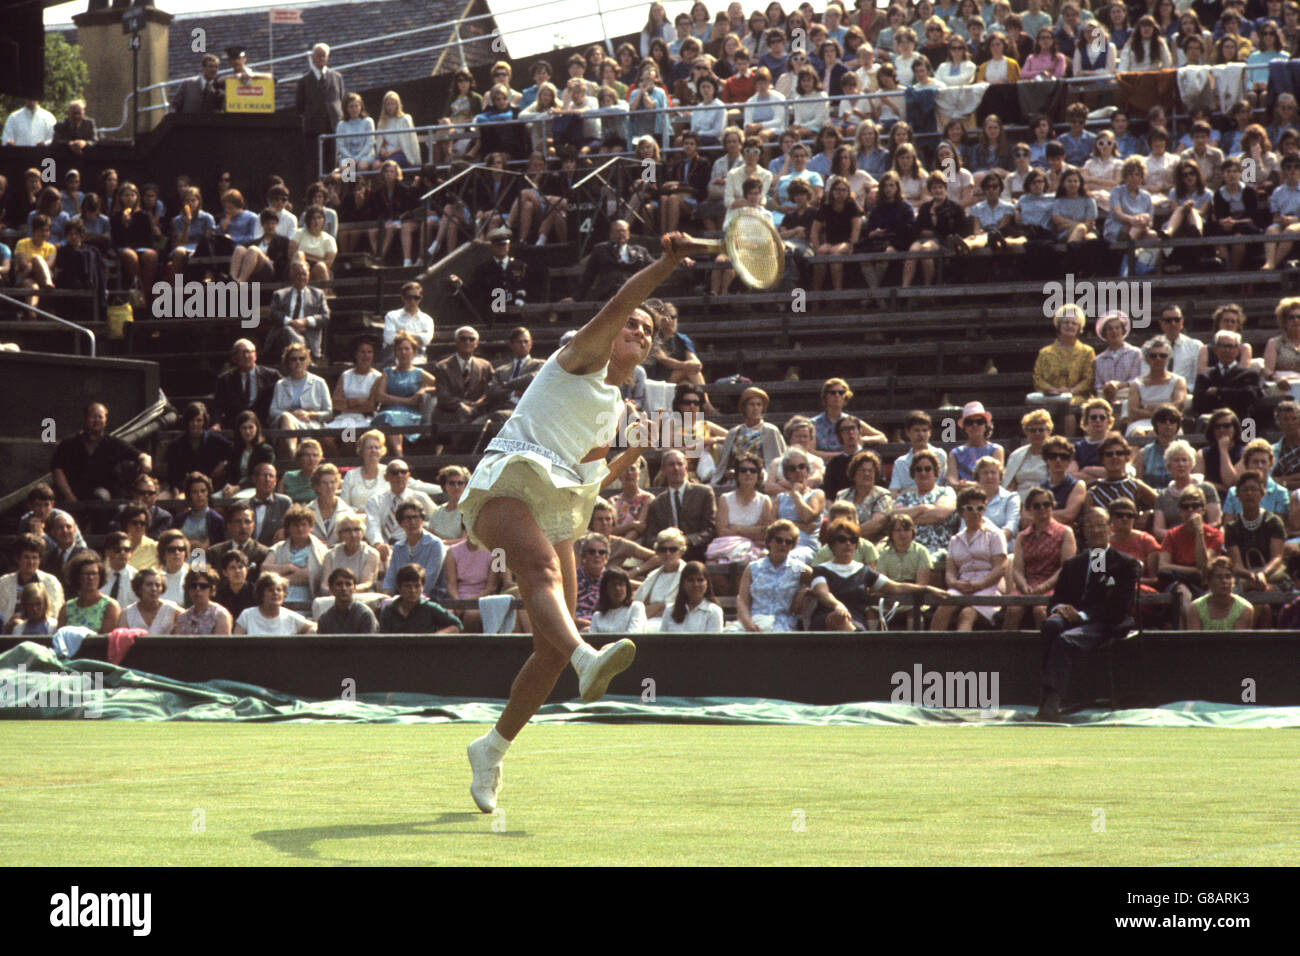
[
  {"x": 754, "y": 510},
  {"x": 797, "y": 516},
  {"x": 851, "y": 95}
]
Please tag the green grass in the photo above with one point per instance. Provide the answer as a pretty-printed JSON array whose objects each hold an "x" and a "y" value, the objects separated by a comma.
[{"x": 109, "y": 793}]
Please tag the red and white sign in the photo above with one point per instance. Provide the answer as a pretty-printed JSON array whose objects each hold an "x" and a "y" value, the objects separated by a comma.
[{"x": 286, "y": 16}]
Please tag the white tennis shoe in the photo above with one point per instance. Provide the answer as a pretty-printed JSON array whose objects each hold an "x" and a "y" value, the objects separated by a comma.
[
  {"x": 610, "y": 661},
  {"x": 487, "y": 776}
]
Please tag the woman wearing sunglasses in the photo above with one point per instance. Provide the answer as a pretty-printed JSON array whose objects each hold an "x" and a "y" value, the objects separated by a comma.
[
  {"x": 843, "y": 585},
  {"x": 1041, "y": 549},
  {"x": 1157, "y": 387},
  {"x": 204, "y": 616},
  {"x": 768, "y": 586},
  {"x": 659, "y": 590},
  {"x": 976, "y": 564}
]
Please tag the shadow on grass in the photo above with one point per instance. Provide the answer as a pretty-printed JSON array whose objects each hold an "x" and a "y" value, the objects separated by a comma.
[{"x": 301, "y": 843}]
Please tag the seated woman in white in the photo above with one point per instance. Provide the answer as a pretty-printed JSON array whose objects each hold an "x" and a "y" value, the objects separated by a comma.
[
  {"x": 270, "y": 617},
  {"x": 150, "y": 612},
  {"x": 694, "y": 610},
  {"x": 616, "y": 612},
  {"x": 659, "y": 591}
]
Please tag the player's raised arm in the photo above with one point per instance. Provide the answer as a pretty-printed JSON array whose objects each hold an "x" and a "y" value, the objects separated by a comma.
[{"x": 589, "y": 349}]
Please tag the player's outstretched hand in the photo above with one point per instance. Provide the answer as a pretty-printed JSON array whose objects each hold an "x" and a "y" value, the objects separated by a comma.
[{"x": 677, "y": 246}]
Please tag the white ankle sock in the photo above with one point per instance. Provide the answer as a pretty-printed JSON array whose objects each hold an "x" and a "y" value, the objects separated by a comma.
[
  {"x": 582, "y": 657},
  {"x": 496, "y": 743}
]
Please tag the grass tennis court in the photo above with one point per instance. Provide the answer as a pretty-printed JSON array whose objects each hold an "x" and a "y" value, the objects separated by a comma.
[{"x": 77, "y": 793}]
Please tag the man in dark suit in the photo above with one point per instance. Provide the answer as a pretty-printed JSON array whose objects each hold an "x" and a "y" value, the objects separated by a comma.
[
  {"x": 463, "y": 380},
  {"x": 76, "y": 129},
  {"x": 611, "y": 264},
  {"x": 1226, "y": 384},
  {"x": 688, "y": 507},
  {"x": 319, "y": 100},
  {"x": 63, "y": 529},
  {"x": 246, "y": 385},
  {"x": 299, "y": 315},
  {"x": 508, "y": 384},
  {"x": 240, "y": 522},
  {"x": 510, "y": 380},
  {"x": 1092, "y": 605},
  {"x": 269, "y": 506},
  {"x": 497, "y": 286},
  {"x": 205, "y": 94}
]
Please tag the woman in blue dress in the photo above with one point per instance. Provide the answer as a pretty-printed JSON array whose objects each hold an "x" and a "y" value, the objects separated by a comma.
[
  {"x": 977, "y": 423},
  {"x": 769, "y": 585},
  {"x": 802, "y": 506},
  {"x": 400, "y": 393}
]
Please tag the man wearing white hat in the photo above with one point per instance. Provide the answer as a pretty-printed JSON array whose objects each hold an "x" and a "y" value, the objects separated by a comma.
[{"x": 497, "y": 286}]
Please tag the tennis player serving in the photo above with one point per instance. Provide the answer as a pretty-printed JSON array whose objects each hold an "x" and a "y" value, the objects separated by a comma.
[{"x": 533, "y": 493}]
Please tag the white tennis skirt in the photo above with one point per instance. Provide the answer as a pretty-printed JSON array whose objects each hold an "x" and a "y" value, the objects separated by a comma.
[{"x": 561, "y": 499}]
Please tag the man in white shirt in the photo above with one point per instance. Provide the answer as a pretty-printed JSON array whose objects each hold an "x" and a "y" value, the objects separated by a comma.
[
  {"x": 29, "y": 126},
  {"x": 410, "y": 319},
  {"x": 381, "y": 510},
  {"x": 117, "y": 582},
  {"x": 1186, "y": 351}
]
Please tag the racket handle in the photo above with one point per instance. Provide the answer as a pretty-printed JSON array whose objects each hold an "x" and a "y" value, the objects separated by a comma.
[{"x": 705, "y": 247}]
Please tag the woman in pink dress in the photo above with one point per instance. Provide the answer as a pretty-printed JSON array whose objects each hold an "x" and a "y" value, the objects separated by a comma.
[
  {"x": 1042, "y": 547},
  {"x": 470, "y": 575},
  {"x": 977, "y": 562}
]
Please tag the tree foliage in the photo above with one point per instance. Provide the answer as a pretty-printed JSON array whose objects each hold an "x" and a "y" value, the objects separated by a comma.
[{"x": 65, "y": 77}]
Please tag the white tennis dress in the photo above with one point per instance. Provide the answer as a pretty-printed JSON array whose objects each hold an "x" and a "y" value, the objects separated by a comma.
[{"x": 537, "y": 456}]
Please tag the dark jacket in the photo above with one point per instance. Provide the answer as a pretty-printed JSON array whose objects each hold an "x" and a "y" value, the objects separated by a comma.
[
  {"x": 944, "y": 219},
  {"x": 696, "y": 183},
  {"x": 182, "y": 458},
  {"x": 233, "y": 476},
  {"x": 319, "y": 101},
  {"x": 228, "y": 396},
  {"x": 1238, "y": 389},
  {"x": 388, "y": 207},
  {"x": 488, "y": 277},
  {"x": 606, "y": 272},
  {"x": 1249, "y": 200},
  {"x": 195, "y": 96},
  {"x": 1106, "y": 596},
  {"x": 255, "y": 551},
  {"x": 697, "y": 519}
]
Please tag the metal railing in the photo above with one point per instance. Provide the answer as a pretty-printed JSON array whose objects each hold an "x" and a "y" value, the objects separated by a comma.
[
  {"x": 458, "y": 40},
  {"x": 665, "y": 130},
  {"x": 51, "y": 317}
]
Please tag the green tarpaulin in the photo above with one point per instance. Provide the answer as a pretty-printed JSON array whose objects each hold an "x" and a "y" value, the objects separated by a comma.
[{"x": 36, "y": 684}]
